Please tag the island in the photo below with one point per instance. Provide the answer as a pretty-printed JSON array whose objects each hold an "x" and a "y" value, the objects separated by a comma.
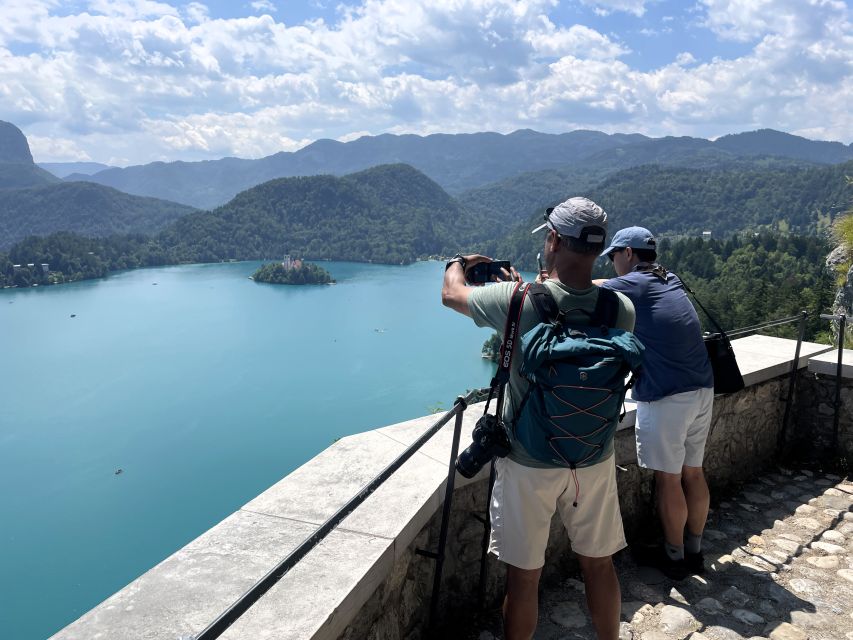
[{"x": 291, "y": 271}]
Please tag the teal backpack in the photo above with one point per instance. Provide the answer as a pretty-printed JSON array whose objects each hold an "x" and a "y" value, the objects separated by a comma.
[{"x": 577, "y": 381}]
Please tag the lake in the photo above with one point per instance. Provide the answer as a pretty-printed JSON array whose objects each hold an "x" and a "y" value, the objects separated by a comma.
[{"x": 203, "y": 388}]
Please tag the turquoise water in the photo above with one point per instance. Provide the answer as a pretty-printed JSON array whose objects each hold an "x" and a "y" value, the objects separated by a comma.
[{"x": 205, "y": 390}]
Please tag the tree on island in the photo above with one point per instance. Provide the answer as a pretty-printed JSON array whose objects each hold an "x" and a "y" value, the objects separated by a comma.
[{"x": 298, "y": 272}]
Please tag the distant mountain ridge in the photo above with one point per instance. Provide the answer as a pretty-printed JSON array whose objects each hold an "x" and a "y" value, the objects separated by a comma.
[
  {"x": 84, "y": 208},
  {"x": 64, "y": 169},
  {"x": 391, "y": 214},
  {"x": 16, "y": 162},
  {"x": 457, "y": 162}
]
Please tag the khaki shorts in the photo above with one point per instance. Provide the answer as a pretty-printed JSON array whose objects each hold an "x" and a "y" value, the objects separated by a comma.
[
  {"x": 671, "y": 432},
  {"x": 524, "y": 500}
]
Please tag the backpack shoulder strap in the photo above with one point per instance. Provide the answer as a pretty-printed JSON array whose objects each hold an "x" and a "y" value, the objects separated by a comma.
[
  {"x": 544, "y": 303},
  {"x": 606, "y": 308}
]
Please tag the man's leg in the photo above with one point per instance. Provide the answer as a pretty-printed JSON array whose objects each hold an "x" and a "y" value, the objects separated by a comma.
[
  {"x": 672, "y": 507},
  {"x": 521, "y": 603},
  {"x": 602, "y": 595},
  {"x": 697, "y": 497}
]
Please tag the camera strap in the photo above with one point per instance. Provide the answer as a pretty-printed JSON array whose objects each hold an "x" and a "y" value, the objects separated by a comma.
[{"x": 511, "y": 330}]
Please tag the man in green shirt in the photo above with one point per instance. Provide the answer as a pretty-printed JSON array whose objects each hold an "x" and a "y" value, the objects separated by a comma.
[{"x": 527, "y": 492}]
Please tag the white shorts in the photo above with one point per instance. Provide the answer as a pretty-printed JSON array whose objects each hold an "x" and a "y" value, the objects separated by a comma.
[
  {"x": 671, "y": 432},
  {"x": 524, "y": 500}
]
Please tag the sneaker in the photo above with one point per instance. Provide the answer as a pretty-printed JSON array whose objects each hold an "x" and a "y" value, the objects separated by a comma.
[
  {"x": 695, "y": 562},
  {"x": 657, "y": 557}
]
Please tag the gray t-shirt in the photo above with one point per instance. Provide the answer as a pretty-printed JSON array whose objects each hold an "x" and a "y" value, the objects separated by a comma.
[{"x": 489, "y": 306}]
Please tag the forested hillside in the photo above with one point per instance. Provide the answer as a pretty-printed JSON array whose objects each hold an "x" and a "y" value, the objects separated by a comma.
[
  {"x": 688, "y": 201},
  {"x": 82, "y": 207}
]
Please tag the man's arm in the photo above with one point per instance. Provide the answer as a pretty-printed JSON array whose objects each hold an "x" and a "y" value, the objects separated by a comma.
[{"x": 455, "y": 291}]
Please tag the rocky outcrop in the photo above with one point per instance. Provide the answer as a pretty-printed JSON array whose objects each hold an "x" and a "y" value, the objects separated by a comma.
[{"x": 13, "y": 145}]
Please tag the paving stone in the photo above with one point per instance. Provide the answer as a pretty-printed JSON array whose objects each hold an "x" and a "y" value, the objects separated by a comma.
[
  {"x": 625, "y": 632},
  {"x": 735, "y": 597},
  {"x": 697, "y": 635},
  {"x": 699, "y": 583},
  {"x": 835, "y": 537},
  {"x": 801, "y": 478},
  {"x": 710, "y": 605},
  {"x": 848, "y": 516},
  {"x": 804, "y": 586},
  {"x": 806, "y": 472},
  {"x": 717, "y": 632},
  {"x": 847, "y": 574},
  {"x": 650, "y": 575},
  {"x": 676, "y": 621},
  {"x": 828, "y": 547},
  {"x": 784, "y": 631},
  {"x": 723, "y": 563},
  {"x": 824, "y": 562},
  {"x": 645, "y": 593},
  {"x": 757, "y": 498},
  {"x": 832, "y": 476},
  {"x": 636, "y": 611},
  {"x": 806, "y": 498},
  {"x": 809, "y": 620},
  {"x": 832, "y": 513},
  {"x": 788, "y": 545},
  {"x": 747, "y": 617},
  {"x": 577, "y": 585},
  {"x": 835, "y": 493},
  {"x": 778, "y": 495},
  {"x": 792, "y": 536},
  {"x": 568, "y": 615},
  {"x": 655, "y": 635},
  {"x": 808, "y": 523},
  {"x": 823, "y": 482},
  {"x": 805, "y": 510},
  {"x": 676, "y": 595},
  {"x": 757, "y": 541},
  {"x": 725, "y": 505},
  {"x": 846, "y": 528},
  {"x": 713, "y": 534},
  {"x": 748, "y": 507}
]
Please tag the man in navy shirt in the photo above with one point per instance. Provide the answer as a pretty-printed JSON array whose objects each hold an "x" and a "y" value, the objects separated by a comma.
[{"x": 674, "y": 393}]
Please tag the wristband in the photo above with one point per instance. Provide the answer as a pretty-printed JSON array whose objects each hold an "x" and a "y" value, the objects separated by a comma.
[{"x": 457, "y": 258}]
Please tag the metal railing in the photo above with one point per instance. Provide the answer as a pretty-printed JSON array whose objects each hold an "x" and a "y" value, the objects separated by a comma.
[{"x": 233, "y": 613}]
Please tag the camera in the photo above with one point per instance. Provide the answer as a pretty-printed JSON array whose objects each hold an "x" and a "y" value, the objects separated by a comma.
[
  {"x": 483, "y": 272},
  {"x": 489, "y": 441}
]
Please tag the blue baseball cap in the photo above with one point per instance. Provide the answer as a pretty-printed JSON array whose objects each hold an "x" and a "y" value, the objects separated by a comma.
[{"x": 631, "y": 237}]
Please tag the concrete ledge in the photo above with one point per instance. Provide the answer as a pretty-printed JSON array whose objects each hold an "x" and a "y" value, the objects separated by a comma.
[
  {"x": 762, "y": 358},
  {"x": 322, "y": 595},
  {"x": 826, "y": 364}
]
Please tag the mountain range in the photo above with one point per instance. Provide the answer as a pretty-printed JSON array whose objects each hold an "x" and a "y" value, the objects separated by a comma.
[{"x": 461, "y": 162}]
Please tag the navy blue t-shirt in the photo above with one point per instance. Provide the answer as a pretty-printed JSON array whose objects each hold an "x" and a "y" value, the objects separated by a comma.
[{"x": 675, "y": 359}]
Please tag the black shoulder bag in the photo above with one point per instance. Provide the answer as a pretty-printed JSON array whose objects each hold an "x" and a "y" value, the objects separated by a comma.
[{"x": 727, "y": 376}]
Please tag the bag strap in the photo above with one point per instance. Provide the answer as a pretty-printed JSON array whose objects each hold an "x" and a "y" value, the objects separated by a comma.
[
  {"x": 513, "y": 322},
  {"x": 605, "y": 313},
  {"x": 544, "y": 303},
  {"x": 710, "y": 317},
  {"x": 606, "y": 308}
]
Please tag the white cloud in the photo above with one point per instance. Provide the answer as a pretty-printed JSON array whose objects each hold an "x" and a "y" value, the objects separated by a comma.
[
  {"x": 263, "y": 5},
  {"x": 606, "y": 7},
  {"x": 141, "y": 80},
  {"x": 57, "y": 149}
]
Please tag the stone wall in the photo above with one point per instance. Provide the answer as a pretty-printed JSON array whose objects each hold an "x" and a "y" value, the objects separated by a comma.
[
  {"x": 814, "y": 417},
  {"x": 743, "y": 439}
]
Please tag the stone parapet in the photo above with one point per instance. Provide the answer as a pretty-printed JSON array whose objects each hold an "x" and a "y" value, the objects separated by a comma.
[{"x": 366, "y": 580}]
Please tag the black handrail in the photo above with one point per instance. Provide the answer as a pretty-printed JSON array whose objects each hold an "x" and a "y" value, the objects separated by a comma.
[
  {"x": 764, "y": 325},
  {"x": 842, "y": 320},
  {"x": 230, "y": 615}
]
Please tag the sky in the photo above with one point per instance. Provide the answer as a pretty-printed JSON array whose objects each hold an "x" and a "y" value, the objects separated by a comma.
[{"x": 135, "y": 81}]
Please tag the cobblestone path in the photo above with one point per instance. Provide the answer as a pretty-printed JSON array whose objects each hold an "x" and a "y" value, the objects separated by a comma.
[{"x": 779, "y": 558}]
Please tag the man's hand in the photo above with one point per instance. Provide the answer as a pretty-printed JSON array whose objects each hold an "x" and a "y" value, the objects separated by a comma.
[{"x": 454, "y": 292}]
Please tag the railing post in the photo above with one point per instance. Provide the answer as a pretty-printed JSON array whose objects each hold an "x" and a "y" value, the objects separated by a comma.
[
  {"x": 445, "y": 515},
  {"x": 841, "y": 328},
  {"x": 792, "y": 382},
  {"x": 484, "y": 544}
]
